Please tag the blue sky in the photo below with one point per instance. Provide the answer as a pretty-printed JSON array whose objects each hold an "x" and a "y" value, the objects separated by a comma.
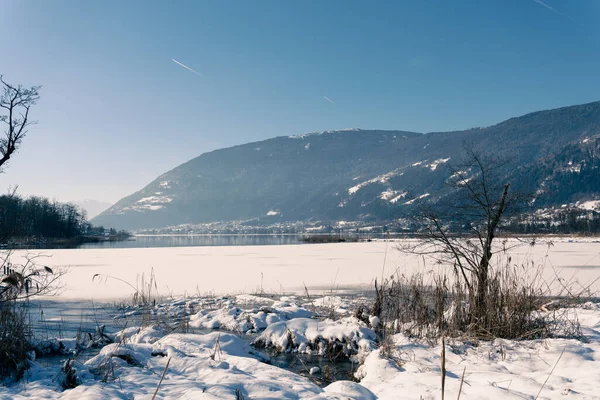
[{"x": 116, "y": 111}]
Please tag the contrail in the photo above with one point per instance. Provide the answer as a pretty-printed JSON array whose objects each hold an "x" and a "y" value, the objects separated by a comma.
[
  {"x": 540, "y": 2},
  {"x": 184, "y": 66},
  {"x": 329, "y": 100}
]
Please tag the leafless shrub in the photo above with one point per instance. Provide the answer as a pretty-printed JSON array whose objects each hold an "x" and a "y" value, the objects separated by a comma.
[
  {"x": 15, "y": 339},
  {"x": 484, "y": 296},
  {"x": 461, "y": 231},
  {"x": 428, "y": 309},
  {"x": 19, "y": 283}
]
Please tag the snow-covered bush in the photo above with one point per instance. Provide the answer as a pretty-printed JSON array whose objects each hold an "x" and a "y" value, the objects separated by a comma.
[{"x": 348, "y": 337}]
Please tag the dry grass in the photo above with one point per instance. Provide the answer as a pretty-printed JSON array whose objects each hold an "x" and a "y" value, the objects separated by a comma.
[
  {"x": 428, "y": 308},
  {"x": 15, "y": 339},
  {"x": 145, "y": 291},
  {"x": 19, "y": 283}
]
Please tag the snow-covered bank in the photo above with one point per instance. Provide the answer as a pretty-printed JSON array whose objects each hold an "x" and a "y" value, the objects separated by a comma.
[
  {"x": 223, "y": 365},
  {"x": 501, "y": 369},
  {"x": 276, "y": 269},
  {"x": 210, "y": 366}
]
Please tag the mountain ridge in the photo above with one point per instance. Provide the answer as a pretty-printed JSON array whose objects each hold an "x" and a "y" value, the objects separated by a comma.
[{"x": 310, "y": 176}]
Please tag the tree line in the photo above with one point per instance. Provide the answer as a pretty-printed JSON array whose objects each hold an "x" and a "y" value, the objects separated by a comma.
[{"x": 38, "y": 217}]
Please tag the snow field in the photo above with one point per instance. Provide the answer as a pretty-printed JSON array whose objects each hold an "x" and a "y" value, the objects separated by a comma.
[{"x": 323, "y": 268}]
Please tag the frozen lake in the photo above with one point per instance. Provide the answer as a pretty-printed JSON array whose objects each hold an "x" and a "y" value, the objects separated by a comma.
[
  {"x": 196, "y": 240},
  {"x": 281, "y": 268}
]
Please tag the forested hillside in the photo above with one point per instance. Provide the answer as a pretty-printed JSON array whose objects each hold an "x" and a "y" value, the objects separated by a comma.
[{"x": 367, "y": 175}]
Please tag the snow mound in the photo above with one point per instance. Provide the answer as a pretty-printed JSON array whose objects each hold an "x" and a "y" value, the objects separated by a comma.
[
  {"x": 349, "y": 390},
  {"x": 498, "y": 369},
  {"x": 235, "y": 319},
  {"x": 212, "y": 366},
  {"x": 348, "y": 336}
]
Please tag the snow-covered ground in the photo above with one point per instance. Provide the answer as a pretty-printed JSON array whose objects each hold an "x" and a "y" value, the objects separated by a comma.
[
  {"x": 210, "y": 366},
  {"x": 205, "y": 364},
  {"x": 223, "y": 365},
  {"x": 501, "y": 369},
  {"x": 281, "y": 269}
]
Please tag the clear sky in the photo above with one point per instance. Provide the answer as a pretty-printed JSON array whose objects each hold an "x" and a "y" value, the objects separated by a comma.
[{"x": 116, "y": 111}]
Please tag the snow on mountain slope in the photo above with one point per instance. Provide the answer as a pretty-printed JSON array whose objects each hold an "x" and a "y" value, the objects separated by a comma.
[{"x": 342, "y": 174}]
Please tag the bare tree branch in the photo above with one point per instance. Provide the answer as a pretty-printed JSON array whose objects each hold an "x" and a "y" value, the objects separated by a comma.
[
  {"x": 17, "y": 100},
  {"x": 460, "y": 231}
]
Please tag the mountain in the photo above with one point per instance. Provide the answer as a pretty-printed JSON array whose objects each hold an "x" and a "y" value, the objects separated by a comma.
[
  {"x": 356, "y": 174},
  {"x": 92, "y": 207}
]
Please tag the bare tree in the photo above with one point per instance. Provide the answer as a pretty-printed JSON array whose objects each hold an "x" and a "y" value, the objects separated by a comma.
[
  {"x": 16, "y": 102},
  {"x": 461, "y": 229},
  {"x": 19, "y": 282}
]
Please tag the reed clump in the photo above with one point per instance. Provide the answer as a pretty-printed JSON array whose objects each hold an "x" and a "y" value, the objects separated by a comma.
[
  {"x": 432, "y": 307},
  {"x": 19, "y": 282}
]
